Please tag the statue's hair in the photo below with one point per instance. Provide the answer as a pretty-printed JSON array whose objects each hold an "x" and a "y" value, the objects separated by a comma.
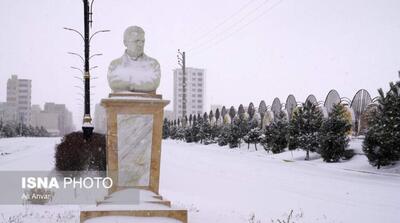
[{"x": 130, "y": 30}]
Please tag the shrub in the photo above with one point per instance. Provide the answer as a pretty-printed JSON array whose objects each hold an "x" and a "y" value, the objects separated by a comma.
[{"x": 76, "y": 154}]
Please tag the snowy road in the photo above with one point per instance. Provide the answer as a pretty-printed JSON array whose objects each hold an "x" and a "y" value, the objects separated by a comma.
[{"x": 222, "y": 185}]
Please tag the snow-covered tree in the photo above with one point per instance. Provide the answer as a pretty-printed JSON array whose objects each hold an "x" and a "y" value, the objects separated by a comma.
[
  {"x": 262, "y": 108},
  {"x": 253, "y": 137},
  {"x": 275, "y": 134},
  {"x": 165, "y": 132},
  {"x": 224, "y": 135},
  {"x": 334, "y": 134},
  {"x": 251, "y": 110},
  {"x": 217, "y": 115},
  {"x": 381, "y": 144},
  {"x": 308, "y": 123},
  {"x": 232, "y": 113}
]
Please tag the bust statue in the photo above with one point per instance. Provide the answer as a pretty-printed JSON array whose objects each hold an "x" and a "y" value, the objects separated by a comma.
[{"x": 134, "y": 71}]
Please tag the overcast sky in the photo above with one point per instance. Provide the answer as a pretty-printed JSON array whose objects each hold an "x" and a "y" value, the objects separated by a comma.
[{"x": 251, "y": 50}]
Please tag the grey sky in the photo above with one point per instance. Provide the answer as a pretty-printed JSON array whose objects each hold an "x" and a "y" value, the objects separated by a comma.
[{"x": 296, "y": 47}]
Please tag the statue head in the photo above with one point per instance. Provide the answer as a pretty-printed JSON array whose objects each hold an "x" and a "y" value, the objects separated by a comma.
[{"x": 134, "y": 41}]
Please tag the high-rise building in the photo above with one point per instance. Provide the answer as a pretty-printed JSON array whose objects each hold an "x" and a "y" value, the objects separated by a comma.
[
  {"x": 65, "y": 123},
  {"x": 19, "y": 93},
  {"x": 195, "y": 85},
  {"x": 48, "y": 120}
]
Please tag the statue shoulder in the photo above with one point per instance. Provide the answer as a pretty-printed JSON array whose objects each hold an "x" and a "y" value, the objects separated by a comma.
[
  {"x": 151, "y": 60},
  {"x": 115, "y": 63}
]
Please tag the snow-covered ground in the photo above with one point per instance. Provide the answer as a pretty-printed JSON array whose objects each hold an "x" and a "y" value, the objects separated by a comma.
[{"x": 218, "y": 184}]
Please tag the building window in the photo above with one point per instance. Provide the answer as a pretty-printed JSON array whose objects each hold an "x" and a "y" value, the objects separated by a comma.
[
  {"x": 199, "y": 74},
  {"x": 199, "y": 95},
  {"x": 199, "y": 84},
  {"x": 193, "y": 95},
  {"x": 199, "y": 106},
  {"x": 199, "y": 101}
]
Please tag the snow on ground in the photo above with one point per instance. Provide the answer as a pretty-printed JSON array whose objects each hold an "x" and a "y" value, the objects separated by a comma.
[
  {"x": 218, "y": 184},
  {"x": 24, "y": 153}
]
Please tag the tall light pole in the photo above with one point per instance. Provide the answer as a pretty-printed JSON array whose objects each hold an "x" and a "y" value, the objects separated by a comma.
[
  {"x": 87, "y": 126},
  {"x": 182, "y": 63}
]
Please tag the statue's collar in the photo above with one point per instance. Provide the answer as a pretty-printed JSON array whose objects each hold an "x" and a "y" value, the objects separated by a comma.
[{"x": 127, "y": 56}]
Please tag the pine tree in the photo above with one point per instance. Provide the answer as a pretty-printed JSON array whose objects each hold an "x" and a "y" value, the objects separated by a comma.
[
  {"x": 235, "y": 133},
  {"x": 232, "y": 113},
  {"x": 295, "y": 124},
  {"x": 211, "y": 116},
  {"x": 275, "y": 135},
  {"x": 223, "y": 111},
  {"x": 262, "y": 108},
  {"x": 250, "y": 135},
  {"x": 166, "y": 131},
  {"x": 217, "y": 115},
  {"x": 172, "y": 131},
  {"x": 251, "y": 110},
  {"x": 381, "y": 144},
  {"x": 1, "y": 128},
  {"x": 309, "y": 121},
  {"x": 224, "y": 135},
  {"x": 253, "y": 137},
  {"x": 334, "y": 134}
]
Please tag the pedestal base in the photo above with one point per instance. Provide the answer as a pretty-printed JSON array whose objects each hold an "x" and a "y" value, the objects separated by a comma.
[{"x": 150, "y": 207}]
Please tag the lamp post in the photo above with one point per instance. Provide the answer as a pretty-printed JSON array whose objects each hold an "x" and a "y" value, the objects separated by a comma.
[
  {"x": 182, "y": 63},
  {"x": 87, "y": 126}
]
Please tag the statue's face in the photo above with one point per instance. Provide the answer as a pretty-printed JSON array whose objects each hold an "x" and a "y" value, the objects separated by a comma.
[{"x": 135, "y": 43}]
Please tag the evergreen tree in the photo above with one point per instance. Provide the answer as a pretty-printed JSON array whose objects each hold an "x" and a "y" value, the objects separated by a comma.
[
  {"x": 275, "y": 136},
  {"x": 295, "y": 124},
  {"x": 253, "y": 137},
  {"x": 223, "y": 111},
  {"x": 166, "y": 131},
  {"x": 44, "y": 132},
  {"x": 251, "y": 110},
  {"x": 180, "y": 132},
  {"x": 192, "y": 133},
  {"x": 172, "y": 131},
  {"x": 334, "y": 134},
  {"x": 309, "y": 119},
  {"x": 381, "y": 144},
  {"x": 262, "y": 108},
  {"x": 9, "y": 130},
  {"x": 190, "y": 120},
  {"x": 1, "y": 128},
  {"x": 205, "y": 132},
  {"x": 241, "y": 110},
  {"x": 251, "y": 129},
  {"x": 232, "y": 113},
  {"x": 217, "y": 115},
  {"x": 37, "y": 131},
  {"x": 235, "y": 133},
  {"x": 210, "y": 116},
  {"x": 224, "y": 135}
]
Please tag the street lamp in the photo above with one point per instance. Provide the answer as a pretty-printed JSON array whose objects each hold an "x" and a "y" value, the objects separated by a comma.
[{"x": 87, "y": 126}]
